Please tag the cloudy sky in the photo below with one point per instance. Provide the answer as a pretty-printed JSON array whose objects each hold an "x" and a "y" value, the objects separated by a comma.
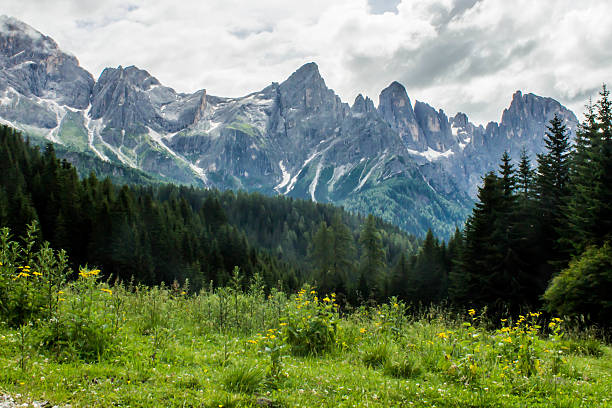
[{"x": 458, "y": 55}]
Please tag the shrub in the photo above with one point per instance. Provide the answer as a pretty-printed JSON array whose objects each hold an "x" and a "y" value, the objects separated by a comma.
[
  {"x": 30, "y": 277},
  {"x": 583, "y": 288},
  {"x": 83, "y": 326},
  {"x": 310, "y": 323}
]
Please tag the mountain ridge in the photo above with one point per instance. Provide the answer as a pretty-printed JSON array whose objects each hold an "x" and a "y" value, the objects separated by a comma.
[{"x": 412, "y": 165}]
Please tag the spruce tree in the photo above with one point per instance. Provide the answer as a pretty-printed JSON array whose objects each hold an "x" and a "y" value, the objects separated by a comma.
[
  {"x": 552, "y": 190},
  {"x": 372, "y": 257},
  {"x": 485, "y": 274},
  {"x": 590, "y": 205}
]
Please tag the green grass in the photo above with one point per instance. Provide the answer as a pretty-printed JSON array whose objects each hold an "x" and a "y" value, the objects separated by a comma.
[
  {"x": 73, "y": 133},
  {"x": 168, "y": 347}
]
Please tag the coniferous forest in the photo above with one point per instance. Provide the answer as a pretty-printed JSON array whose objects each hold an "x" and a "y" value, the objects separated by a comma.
[{"x": 539, "y": 234}]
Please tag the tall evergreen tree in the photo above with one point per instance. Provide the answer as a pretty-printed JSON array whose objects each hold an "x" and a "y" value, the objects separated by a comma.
[
  {"x": 344, "y": 253},
  {"x": 552, "y": 189},
  {"x": 507, "y": 173},
  {"x": 372, "y": 257},
  {"x": 590, "y": 205},
  {"x": 524, "y": 180},
  {"x": 427, "y": 283},
  {"x": 485, "y": 274},
  {"x": 322, "y": 254}
]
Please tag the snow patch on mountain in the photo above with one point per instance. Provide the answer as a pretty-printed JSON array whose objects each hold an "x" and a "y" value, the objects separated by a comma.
[
  {"x": 295, "y": 178},
  {"x": 313, "y": 186},
  {"x": 431, "y": 154},
  {"x": 286, "y": 177}
]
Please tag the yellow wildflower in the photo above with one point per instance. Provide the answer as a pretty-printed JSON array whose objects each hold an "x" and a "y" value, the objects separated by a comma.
[
  {"x": 471, "y": 312},
  {"x": 508, "y": 339},
  {"x": 110, "y": 292},
  {"x": 252, "y": 341},
  {"x": 282, "y": 324},
  {"x": 326, "y": 299},
  {"x": 362, "y": 330},
  {"x": 395, "y": 305},
  {"x": 36, "y": 273},
  {"x": 442, "y": 335},
  {"x": 312, "y": 292},
  {"x": 272, "y": 336},
  {"x": 552, "y": 324}
]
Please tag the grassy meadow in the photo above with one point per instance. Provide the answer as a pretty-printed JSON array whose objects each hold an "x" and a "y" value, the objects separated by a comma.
[{"x": 71, "y": 338}]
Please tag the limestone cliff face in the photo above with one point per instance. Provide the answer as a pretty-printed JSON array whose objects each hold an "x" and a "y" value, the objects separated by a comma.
[
  {"x": 32, "y": 67},
  {"x": 395, "y": 108}
]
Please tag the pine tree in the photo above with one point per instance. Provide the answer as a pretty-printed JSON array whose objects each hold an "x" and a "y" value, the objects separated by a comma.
[
  {"x": 344, "y": 253},
  {"x": 400, "y": 279},
  {"x": 322, "y": 254},
  {"x": 524, "y": 180},
  {"x": 507, "y": 173},
  {"x": 372, "y": 257},
  {"x": 485, "y": 275},
  {"x": 427, "y": 282},
  {"x": 552, "y": 189},
  {"x": 590, "y": 206}
]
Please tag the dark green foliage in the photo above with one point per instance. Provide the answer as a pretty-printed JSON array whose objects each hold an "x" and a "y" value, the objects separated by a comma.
[
  {"x": 590, "y": 205},
  {"x": 552, "y": 192},
  {"x": 486, "y": 268},
  {"x": 429, "y": 278},
  {"x": 584, "y": 287},
  {"x": 333, "y": 252},
  {"x": 372, "y": 259}
]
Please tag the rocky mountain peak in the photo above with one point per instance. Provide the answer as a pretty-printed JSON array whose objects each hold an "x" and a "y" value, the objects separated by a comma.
[
  {"x": 394, "y": 98},
  {"x": 307, "y": 75},
  {"x": 16, "y": 32},
  {"x": 530, "y": 108},
  {"x": 362, "y": 105},
  {"x": 305, "y": 90},
  {"x": 131, "y": 76},
  {"x": 460, "y": 120},
  {"x": 395, "y": 107},
  {"x": 32, "y": 64}
]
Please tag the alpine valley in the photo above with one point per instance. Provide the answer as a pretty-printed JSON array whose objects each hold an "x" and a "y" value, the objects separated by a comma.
[{"x": 410, "y": 164}]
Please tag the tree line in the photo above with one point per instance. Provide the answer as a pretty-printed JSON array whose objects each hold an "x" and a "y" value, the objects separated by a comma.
[{"x": 162, "y": 233}]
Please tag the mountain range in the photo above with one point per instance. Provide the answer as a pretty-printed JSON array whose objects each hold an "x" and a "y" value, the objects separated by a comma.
[{"x": 407, "y": 163}]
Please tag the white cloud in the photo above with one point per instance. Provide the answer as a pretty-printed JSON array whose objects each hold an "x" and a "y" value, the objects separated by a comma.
[{"x": 458, "y": 55}]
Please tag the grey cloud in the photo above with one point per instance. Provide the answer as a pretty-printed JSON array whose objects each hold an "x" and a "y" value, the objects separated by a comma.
[
  {"x": 443, "y": 16},
  {"x": 450, "y": 57},
  {"x": 244, "y": 33}
]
